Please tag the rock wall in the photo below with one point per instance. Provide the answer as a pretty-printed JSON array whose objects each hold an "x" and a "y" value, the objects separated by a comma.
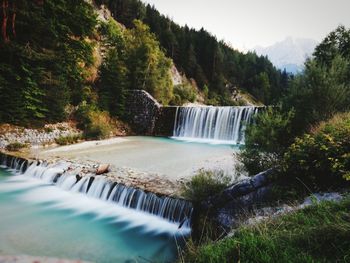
[
  {"x": 142, "y": 111},
  {"x": 165, "y": 121},
  {"x": 147, "y": 116}
]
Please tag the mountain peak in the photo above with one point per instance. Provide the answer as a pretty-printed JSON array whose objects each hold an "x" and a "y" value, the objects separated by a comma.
[{"x": 289, "y": 54}]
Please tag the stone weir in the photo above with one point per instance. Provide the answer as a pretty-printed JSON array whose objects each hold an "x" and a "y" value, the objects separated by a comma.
[
  {"x": 73, "y": 177},
  {"x": 147, "y": 116}
]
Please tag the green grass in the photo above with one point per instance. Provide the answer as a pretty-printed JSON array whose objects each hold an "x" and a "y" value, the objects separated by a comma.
[{"x": 320, "y": 233}]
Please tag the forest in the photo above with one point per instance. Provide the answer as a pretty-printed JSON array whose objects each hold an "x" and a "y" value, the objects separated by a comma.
[
  {"x": 51, "y": 60},
  {"x": 200, "y": 55}
]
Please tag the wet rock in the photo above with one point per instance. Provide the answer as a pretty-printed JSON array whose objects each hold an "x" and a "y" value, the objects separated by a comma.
[
  {"x": 78, "y": 177},
  {"x": 242, "y": 189}
]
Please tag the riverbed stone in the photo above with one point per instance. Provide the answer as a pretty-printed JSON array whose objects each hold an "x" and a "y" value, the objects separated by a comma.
[
  {"x": 35, "y": 137},
  {"x": 102, "y": 169}
]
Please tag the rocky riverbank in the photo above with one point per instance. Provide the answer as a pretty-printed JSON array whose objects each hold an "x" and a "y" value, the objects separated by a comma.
[
  {"x": 36, "y": 137},
  {"x": 122, "y": 175}
]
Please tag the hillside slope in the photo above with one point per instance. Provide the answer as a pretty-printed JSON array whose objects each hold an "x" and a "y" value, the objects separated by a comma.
[
  {"x": 213, "y": 64},
  {"x": 59, "y": 56}
]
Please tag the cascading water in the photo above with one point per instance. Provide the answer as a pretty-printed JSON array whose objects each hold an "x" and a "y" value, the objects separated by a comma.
[
  {"x": 176, "y": 211},
  {"x": 222, "y": 125}
]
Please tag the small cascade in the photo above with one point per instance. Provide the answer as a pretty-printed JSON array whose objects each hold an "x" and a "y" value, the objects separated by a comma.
[
  {"x": 225, "y": 125},
  {"x": 174, "y": 210},
  {"x": 16, "y": 164}
]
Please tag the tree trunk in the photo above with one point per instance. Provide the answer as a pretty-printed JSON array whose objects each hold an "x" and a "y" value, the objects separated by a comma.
[
  {"x": 4, "y": 20},
  {"x": 13, "y": 19}
]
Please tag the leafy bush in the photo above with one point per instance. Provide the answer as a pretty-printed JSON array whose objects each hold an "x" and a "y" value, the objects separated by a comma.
[
  {"x": 99, "y": 125},
  {"x": 15, "y": 146},
  {"x": 321, "y": 159},
  {"x": 183, "y": 93},
  {"x": 96, "y": 124},
  {"x": 266, "y": 140},
  {"x": 205, "y": 184},
  {"x": 66, "y": 140}
]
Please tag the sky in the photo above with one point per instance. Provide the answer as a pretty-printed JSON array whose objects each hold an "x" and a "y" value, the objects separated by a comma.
[{"x": 248, "y": 23}]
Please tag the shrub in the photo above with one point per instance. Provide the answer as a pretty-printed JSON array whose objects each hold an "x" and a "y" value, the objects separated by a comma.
[
  {"x": 48, "y": 129},
  {"x": 321, "y": 159},
  {"x": 183, "y": 93},
  {"x": 267, "y": 138},
  {"x": 66, "y": 140},
  {"x": 205, "y": 184},
  {"x": 251, "y": 161},
  {"x": 96, "y": 124},
  {"x": 99, "y": 125},
  {"x": 15, "y": 146}
]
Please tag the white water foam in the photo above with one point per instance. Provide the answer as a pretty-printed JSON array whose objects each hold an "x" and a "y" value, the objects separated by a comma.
[
  {"x": 36, "y": 186},
  {"x": 215, "y": 125}
]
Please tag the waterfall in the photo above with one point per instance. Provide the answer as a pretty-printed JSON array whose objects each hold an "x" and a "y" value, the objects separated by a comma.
[
  {"x": 223, "y": 125},
  {"x": 174, "y": 210}
]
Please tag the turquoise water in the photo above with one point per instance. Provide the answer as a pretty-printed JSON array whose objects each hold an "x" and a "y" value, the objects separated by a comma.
[
  {"x": 38, "y": 219},
  {"x": 169, "y": 158}
]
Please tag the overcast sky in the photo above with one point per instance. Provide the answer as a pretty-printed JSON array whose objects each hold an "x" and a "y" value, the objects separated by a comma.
[{"x": 248, "y": 23}]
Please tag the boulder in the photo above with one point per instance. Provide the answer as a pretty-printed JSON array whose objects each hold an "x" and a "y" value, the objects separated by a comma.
[{"x": 102, "y": 169}]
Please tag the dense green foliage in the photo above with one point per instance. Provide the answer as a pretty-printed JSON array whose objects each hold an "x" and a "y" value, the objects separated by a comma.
[
  {"x": 183, "y": 93},
  {"x": 312, "y": 97},
  {"x": 205, "y": 184},
  {"x": 96, "y": 124},
  {"x": 322, "y": 158},
  {"x": 319, "y": 233},
  {"x": 51, "y": 62},
  {"x": 134, "y": 61},
  {"x": 324, "y": 88},
  {"x": 319, "y": 93},
  {"x": 202, "y": 57},
  {"x": 266, "y": 140},
  {"x": 43, "y": 66},
  {"x": 335, "y": 44}
]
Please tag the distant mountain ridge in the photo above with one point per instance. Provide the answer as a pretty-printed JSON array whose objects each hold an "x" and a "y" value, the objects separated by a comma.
[{"x": 289, "y": 54}]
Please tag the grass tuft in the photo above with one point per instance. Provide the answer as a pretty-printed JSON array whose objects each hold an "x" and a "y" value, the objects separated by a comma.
[
  {"x": 319, "y": 233},
  {"x": 66, "y": 140},
  {"x": 16, "y": 146}
]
